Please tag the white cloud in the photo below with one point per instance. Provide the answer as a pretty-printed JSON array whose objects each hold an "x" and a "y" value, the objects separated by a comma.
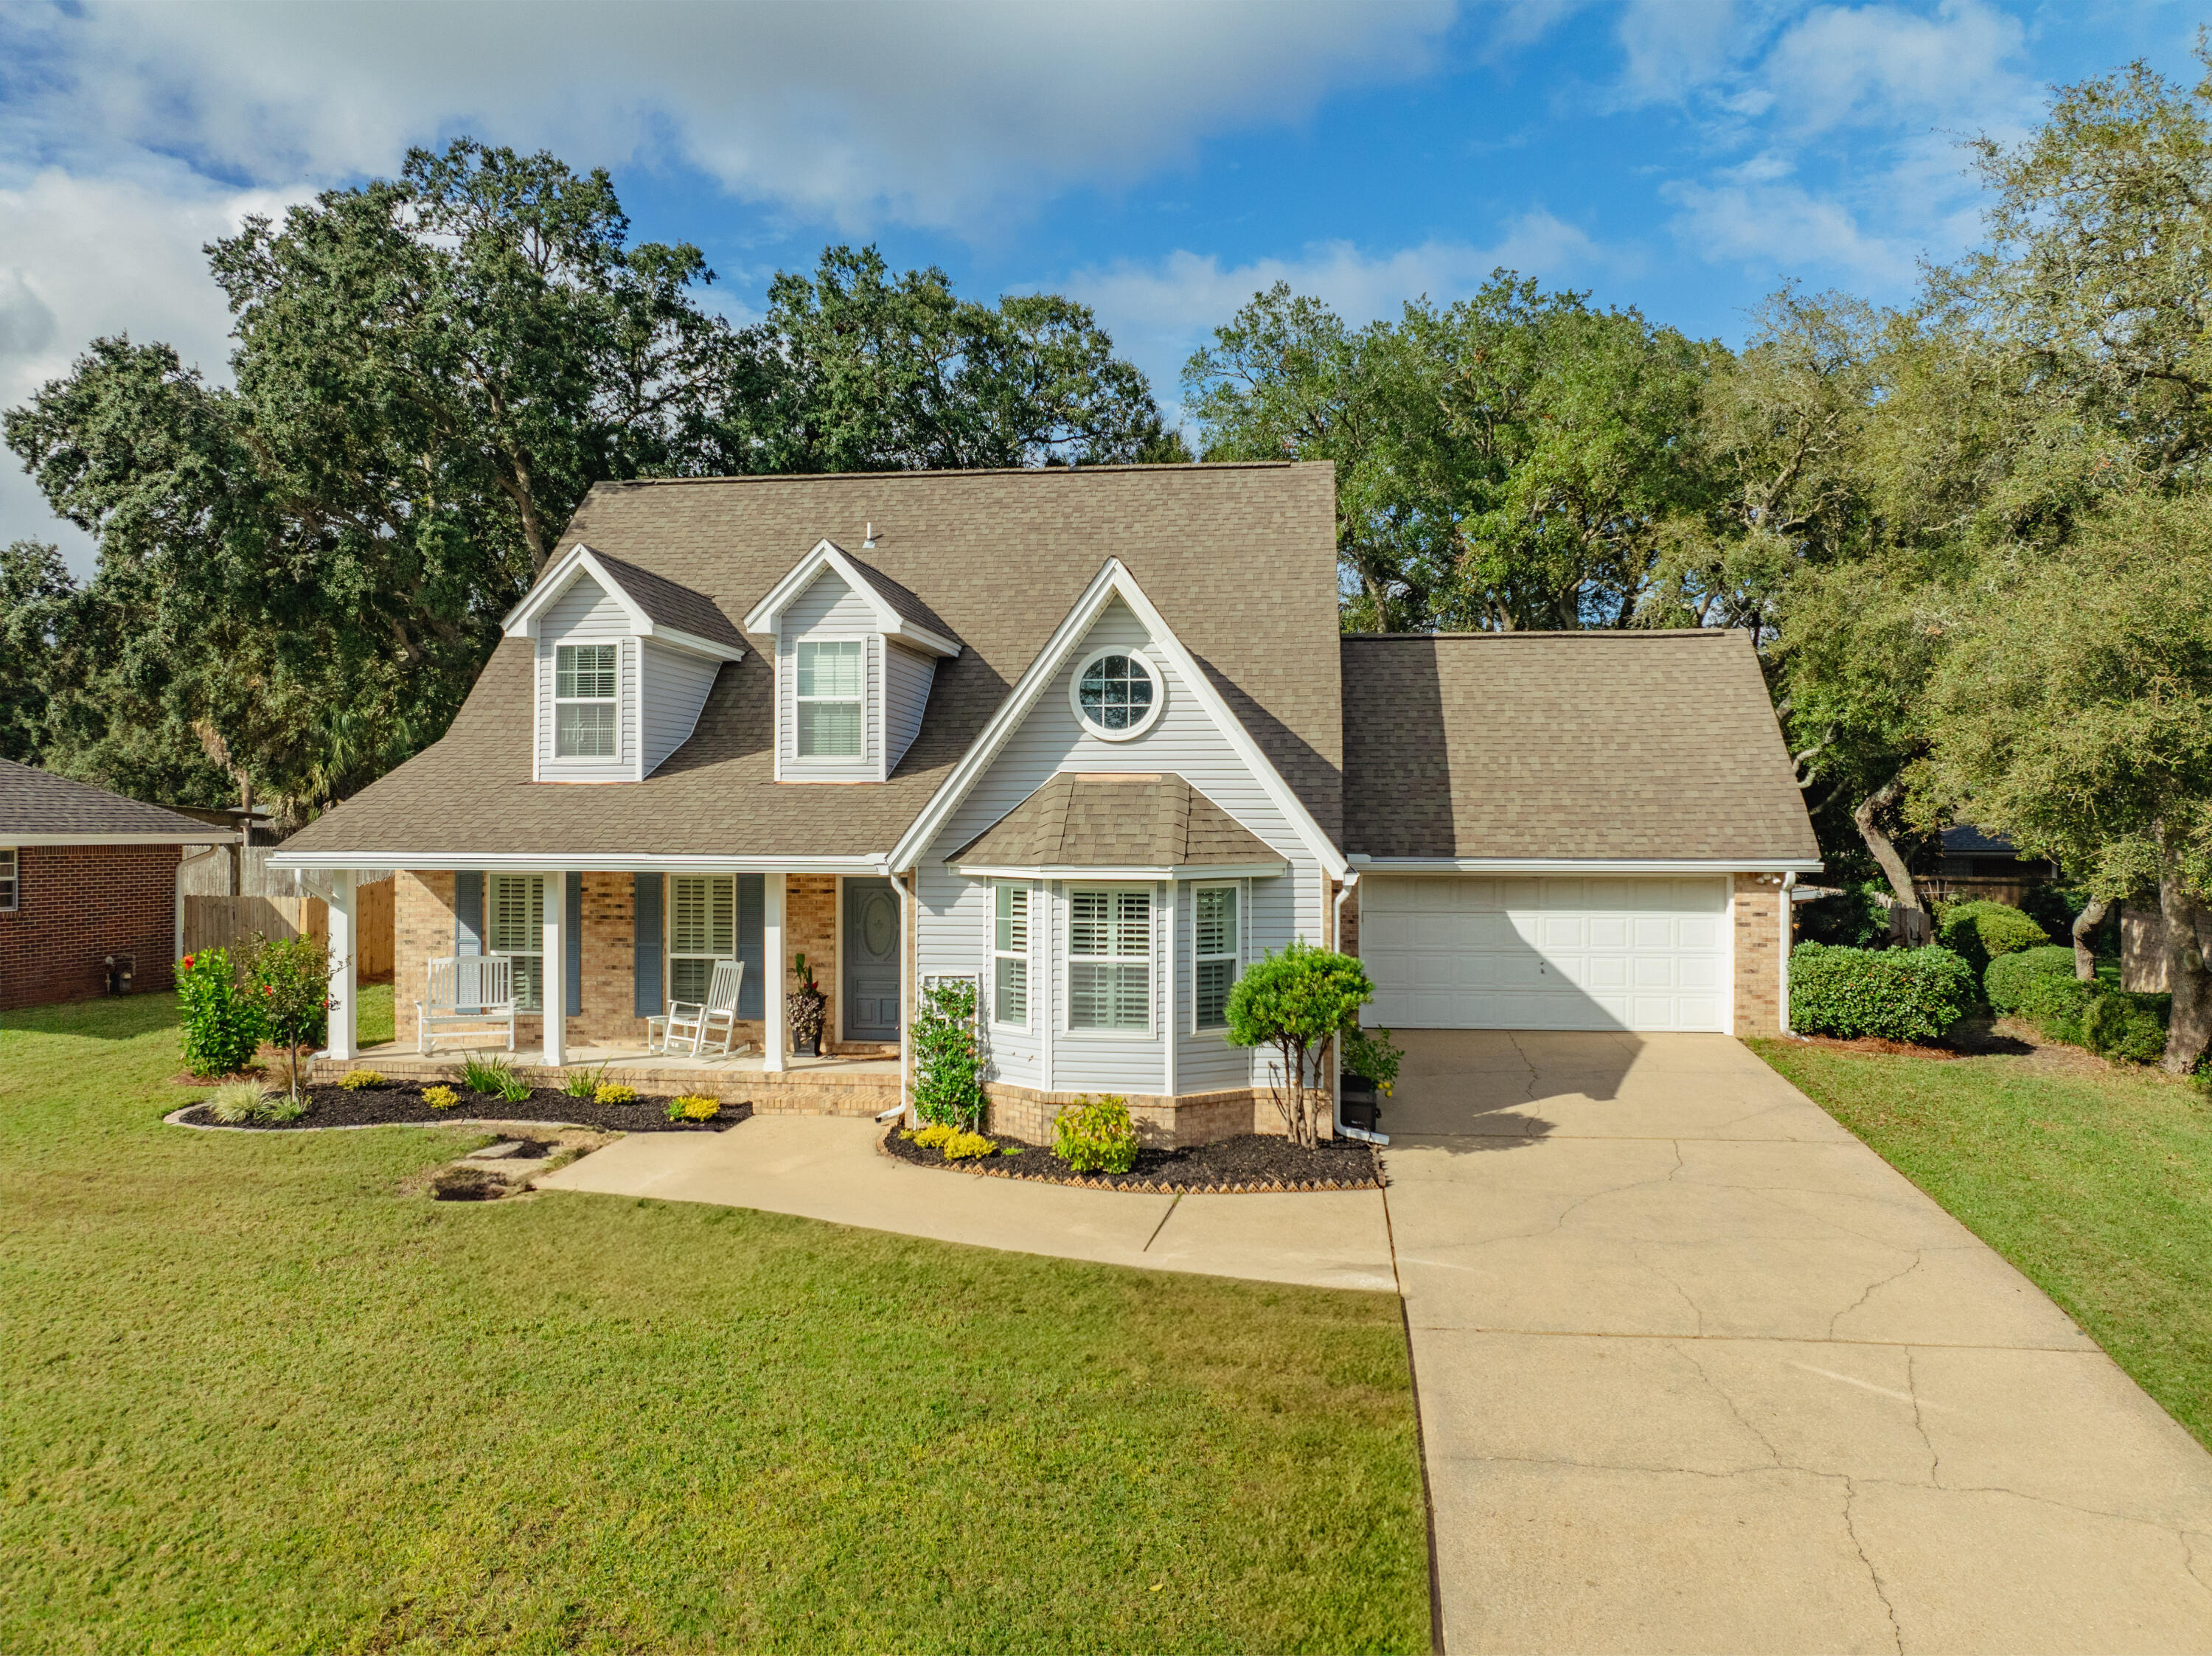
[
  {"x": 1159, "y": 313},
  {"x": 1881, "y": 65},
  {"x": 936, "y": 114},
  {"x": 1759, "y": 214}
]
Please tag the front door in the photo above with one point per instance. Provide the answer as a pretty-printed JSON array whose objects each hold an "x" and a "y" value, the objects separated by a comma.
[{"x": 871, "y": 961}]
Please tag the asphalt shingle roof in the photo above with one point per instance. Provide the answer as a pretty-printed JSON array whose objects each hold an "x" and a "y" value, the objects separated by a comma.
[
  {"x": 1080, "y": 820},
  {"x": 1241, "y": 561},
  {"x": 33, "y": 801},
  {"x": 1630, "y": 745},
  {"x": 667, "y": 605}
]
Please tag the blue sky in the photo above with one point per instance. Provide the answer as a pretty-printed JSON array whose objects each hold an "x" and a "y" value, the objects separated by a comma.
[{"x": 1161, "y": 161}]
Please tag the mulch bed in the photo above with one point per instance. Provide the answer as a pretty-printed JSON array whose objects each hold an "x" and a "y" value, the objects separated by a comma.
[
  {"x": 1231, "y": 1166},
  {"x": 1976, "y": 1037},
  {"x": 329, "y": 1106}
]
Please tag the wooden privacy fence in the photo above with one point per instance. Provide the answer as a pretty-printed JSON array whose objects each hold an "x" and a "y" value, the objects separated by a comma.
[{"x": 226, "y": 922}]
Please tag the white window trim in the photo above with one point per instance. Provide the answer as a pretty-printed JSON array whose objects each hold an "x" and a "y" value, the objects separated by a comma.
[
  {"x": 1135, "y": 652},
  {"x": 615, "y": 702},
  {"x": 1240, "y": 890},
  {"x": 831, "y": 762},
  {"x": 1026, "y": 953},
  {"x": 668, "y": 952},
  {"x": 1151, "y": 958},
  {"x": 11, "y": 857},
  {"x": 536, "y": 937}
]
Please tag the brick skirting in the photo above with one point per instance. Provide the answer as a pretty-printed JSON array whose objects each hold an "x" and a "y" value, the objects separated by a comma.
[{"x": 1172, "y": 1123}]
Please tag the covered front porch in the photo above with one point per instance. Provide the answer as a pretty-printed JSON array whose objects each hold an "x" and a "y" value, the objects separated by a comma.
[{"x": 597, "y": 953}]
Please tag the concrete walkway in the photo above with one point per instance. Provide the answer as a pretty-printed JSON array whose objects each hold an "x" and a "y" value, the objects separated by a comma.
[
  {"x": 823, "y": 1167},
  {"x": 1700, "y": 1371}
]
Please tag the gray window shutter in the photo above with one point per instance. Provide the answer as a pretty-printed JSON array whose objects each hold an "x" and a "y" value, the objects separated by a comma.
[
  {"x": 646, "y": 908},
  {"x": 752, "y": 946},
  {"x": 571, "y": 928},
  {"x": 468, "y": 913}
]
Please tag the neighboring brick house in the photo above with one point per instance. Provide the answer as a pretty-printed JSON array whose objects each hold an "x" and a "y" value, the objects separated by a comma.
[
  {"x": 1090, "y": 738},
  {"x": 87, "y": 887}
]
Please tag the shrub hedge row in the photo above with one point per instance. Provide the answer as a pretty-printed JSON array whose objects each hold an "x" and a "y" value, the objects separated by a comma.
[
  {"x": 1981, "y": 931},
  {"x": 1899, "y": 994},
  {"x": 2039, "y": 985}
]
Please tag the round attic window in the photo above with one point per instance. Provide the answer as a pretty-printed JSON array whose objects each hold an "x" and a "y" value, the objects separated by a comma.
[{"x": 1117, "y": 694}]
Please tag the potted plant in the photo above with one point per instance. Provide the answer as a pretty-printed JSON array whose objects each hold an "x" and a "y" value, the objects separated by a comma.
[
  {"x": 810, "y": 1007},
  {"x": 1370, "y": 1074}
]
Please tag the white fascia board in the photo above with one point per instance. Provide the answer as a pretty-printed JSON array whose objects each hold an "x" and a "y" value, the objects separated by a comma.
[
  {"x": 1112, "y": 580},
  {"x": 1579, "y": 865},
  {"x": 590, "y": 862},
  {"x": 523, "y": 620},
  {"x": 214, "y": 836},
  {"x": 1183, "y": 871},
  {"x": 767, "y": 615}
]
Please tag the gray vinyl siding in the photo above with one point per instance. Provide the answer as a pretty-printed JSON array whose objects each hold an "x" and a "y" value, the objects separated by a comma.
[
  {"x": 587, "y": 614},
  {"x": 829, "y": 609},
  {"x": 907, "y": 678},
  {"x": 954, "y": 912},
  {"x": 672, "y": 690}
]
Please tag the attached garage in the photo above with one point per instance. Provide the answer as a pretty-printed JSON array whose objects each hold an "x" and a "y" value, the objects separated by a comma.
[
  {"x": 1537, "y": 952},
  {"x": 1591, "y": 830}
]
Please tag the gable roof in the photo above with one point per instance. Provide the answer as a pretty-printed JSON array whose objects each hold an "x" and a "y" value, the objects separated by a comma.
[
  {"x": 899, "y": 612},
  {"x": 1639, "y": 745},
  {"x": 656, "y": 606},
  {"x": 1240, "y": 559},
  {"x": 1120, "y": 819},
  {"x": 36, "y": 807}
]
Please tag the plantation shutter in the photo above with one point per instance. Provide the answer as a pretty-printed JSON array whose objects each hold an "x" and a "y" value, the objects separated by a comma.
[
  {"x": 647, "y": 902},
  {"x": 572, "y": 945}
]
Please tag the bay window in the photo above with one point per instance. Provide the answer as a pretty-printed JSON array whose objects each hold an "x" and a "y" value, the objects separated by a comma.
[
  {"x": 1010, "y": 948},
  {"x": 1109, "y": 964},
  {"x": 1214, "y": 953}
]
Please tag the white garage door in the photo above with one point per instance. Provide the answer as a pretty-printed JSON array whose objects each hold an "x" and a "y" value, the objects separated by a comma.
[{"x": 1506, "y": 952}]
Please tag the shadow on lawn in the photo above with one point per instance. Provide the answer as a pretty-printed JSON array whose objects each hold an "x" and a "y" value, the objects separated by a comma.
[{"x": 104, "y": 1017}]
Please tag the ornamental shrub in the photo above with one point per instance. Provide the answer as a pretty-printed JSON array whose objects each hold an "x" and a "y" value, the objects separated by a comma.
[
  {"x": 2010, "y": 979},
  {"x": 440, "y": 1098},
  {"x": 1298, "y": 1002},
  {"x": 1981, "y": 930},
  {"x": 1898, "y": 994},
  {"x": 583, "y": 1084},
  {"x": 237, "y": 1101},
  {"x": 222, "y": 1026},
  {"x": 694, "y": 1106},
  {"x": 290, "y": 978},
  {"x": 354, "y": 1081},
  {"x": 948, "y": 1068},
  {"x": 614, "y": 1092},
  {"x": 1096, "y": 1137},
  {"x": 2130, "y": 1027}
]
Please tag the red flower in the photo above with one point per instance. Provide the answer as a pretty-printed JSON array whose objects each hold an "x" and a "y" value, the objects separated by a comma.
[
  {"x": 188, "y": 962},
  {"x": 268, "y": 988}
]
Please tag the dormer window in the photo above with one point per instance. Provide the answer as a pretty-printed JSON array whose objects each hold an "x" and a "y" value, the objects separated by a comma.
[
  {"x": 584, "y": 701},
  {"x": 831, "y": 680}
]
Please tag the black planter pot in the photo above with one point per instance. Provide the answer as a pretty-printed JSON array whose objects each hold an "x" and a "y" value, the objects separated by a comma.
[{"x": 1358, "y": 1102}]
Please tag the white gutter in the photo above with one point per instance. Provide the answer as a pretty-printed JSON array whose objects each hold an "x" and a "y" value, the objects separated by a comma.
[
  {"x": 1132, "y": 871},
  {"x": 1336, "y": 1048},
  {"x": 1580, "y": 865},
  {"x": 597, "y": 862}
]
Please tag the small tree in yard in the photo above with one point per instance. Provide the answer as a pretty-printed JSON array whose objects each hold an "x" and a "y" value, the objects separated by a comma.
[
  {"x": 1298, "y": 1002},
  {"x": 291, "y": 979}
]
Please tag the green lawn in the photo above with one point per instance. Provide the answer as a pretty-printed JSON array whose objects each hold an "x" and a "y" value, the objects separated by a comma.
[
  {"x": 2096, "y": 1184},
  {"x": 254, "y": 1395}
]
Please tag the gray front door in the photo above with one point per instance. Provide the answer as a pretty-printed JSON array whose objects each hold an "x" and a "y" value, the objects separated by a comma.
[{"x": 871, "y": 961}]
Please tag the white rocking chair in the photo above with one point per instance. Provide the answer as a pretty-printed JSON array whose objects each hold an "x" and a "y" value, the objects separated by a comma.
[
  {"x": 698, "y": 1021},
  {"x": 472, "y": 989}
]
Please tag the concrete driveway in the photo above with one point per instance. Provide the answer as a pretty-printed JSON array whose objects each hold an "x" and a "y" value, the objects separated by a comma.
[{"x": 1700, "y": 1371}]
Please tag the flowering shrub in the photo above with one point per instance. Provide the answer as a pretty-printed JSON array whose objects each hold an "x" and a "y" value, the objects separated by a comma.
[
  {"x": 694, "y": 1106},
  {"x": 222, "y": 1027},
  {"x": 290, "y": 978},
  {"x": 1097, "y": 1136}
]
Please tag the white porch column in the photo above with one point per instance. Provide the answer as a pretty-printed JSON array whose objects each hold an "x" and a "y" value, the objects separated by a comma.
[
  {"x": 341, "y": 1043},
  {"x": 556, "y": 964},
  {"x": 776, "y": 1030}
]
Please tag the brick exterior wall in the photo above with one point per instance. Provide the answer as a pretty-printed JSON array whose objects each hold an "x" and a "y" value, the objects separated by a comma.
[
  {"x": 76, "y": 905},
  {"x": 1348, "y": 941},
  {"x": 1025, "y": 1114},
  {"x": 809, "y": 928},
  {"x": 421, "y": 930},
  {"x": 610, "y": 961},
  {"x": 1756, "y": 912}
]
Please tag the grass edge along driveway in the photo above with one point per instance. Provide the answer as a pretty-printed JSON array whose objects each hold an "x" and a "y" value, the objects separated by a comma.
[
  {"x": 260, "y": 1395},
  {"x": 2094, "y": 1182}
]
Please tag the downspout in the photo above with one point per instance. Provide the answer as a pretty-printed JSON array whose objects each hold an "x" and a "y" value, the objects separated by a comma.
[
  {"x": 1336, "y": 1047},
  {"x": 907, "y": 994},
  {"x": 1789, "y": 926}
]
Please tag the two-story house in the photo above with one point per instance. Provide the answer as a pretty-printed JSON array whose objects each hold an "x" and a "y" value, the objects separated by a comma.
[{"x": 1091, "y": 738}]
